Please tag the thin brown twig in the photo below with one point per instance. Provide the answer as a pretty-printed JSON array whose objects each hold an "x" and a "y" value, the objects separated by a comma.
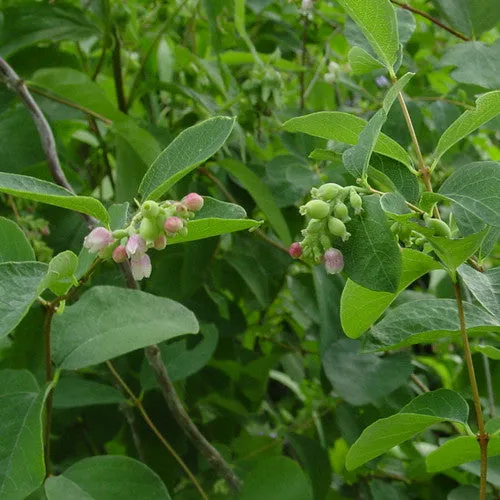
[
  {"x": 15, "y": 83},
  {"x": 482, "y": 436},
  {"x": 211, "y": 455},
  {"x": 128, "y": 391},
  {"x": 69, "y": 103},
  {"x": 419, "y": 383},
  {"x": 433, "y": 20}
]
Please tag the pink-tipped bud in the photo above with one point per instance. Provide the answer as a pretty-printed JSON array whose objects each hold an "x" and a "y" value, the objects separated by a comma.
[
  {"x": 295, "y": 250},
  {"x": 141, "y": 267},
  {"x": 120, "y": 254},
  {"x": 193, "y": 202},
  {"x": 173, "y": 224},
  {"x": 98, "y": 239},
  {"x": 334, "y": 261},
  {"x": 160, "y": 242},
  {"x": 136, "y": 246}
]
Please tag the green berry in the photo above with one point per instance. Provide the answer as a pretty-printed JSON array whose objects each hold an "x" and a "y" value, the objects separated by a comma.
[
  {"x": 439, "y": 227},
  {"x": 150, "y": 209},
  {"x": 341, "y": 211},
  {"x": 356, "y": 202},
  {"x": 329, "y": 191},
  {"x": 336, "y": 227},
  {"x": 148, "y": 229},
  {"x": 317, "y": 209}
]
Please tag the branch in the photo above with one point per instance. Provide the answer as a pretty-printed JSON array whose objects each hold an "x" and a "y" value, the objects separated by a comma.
[
  {"x": 153, "y": 355},
  {"x": 213, "y": 457},
  {"x": 437, "y": 22},
  {"x": 16, "y": 84},
  {"x": 127, "y": 391},
  {"x": 117, "y": 73}
]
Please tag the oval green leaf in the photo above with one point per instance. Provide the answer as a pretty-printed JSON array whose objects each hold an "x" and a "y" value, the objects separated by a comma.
[
  {"x": 108, "y": 321},
  {"x": 487, "y": 107},
  {"x": 106, "y": 478},
  {"x": 22, "y": 466},
  {"x": 344, "y": 127},
  {"x": 360, "y": 307},
  {"x": 372, "y": 258},
  {"x": 377, "y": 20},
  {"x": 191, "y": 147},
  {"x": 425, "y": 410},
  {"x": 428, "y": 320},
  {"x": 31, "y": 188},
  {"x": 14, "y": 246},
  {"x": 19, "y": 286}
]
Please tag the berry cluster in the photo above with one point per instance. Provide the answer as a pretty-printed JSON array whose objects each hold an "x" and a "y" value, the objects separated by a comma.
[
  {"x": 328, "y": 212},
  {"x": 150, "y": 227}
]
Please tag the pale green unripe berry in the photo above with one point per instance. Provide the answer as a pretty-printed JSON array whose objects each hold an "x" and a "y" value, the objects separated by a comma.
[
  {"x": 150, "y": 209},
  {"x": 328, "y": 191},
  {"x": 337, "y": 227},
  {"x": 341, "y": 211},
  {"x": 439, "y": 227},
  {"x": 325, "y": 241},
  {"x": 314, "y": 227},
  {"x": 148, "y": 229},
  {"x": 356, "y": 202},
  {"x": 317, "y": 209}
]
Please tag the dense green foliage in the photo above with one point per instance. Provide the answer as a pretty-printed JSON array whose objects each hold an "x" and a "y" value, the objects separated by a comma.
[{"x": 366, "y": 130}]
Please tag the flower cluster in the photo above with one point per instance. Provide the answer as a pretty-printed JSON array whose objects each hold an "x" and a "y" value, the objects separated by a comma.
[
  {"x": 328, "y": 211},
  {"x": 151, "y": 227}
]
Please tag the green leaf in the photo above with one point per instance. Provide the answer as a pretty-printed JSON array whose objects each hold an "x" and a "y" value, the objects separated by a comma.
[
  {"x": 276, "y": 477},
  {"x": 360, "y": 307},
  {"x": 60, "y": 276},
  {"x": 425, "y": 410},
  {"x": 471, "y": 17},
  {"x": 476, "y": 187},
  {"x": 394, "y": 205},
  {"x": 488, "y": 350},
  {"x": 190, "y": 148},
  {"x": 426, "y": 321},
  {"x": 357, "y": 158},
  {"x": 215, "y": 218},
  {"x": 31, "y": 188},
  {"x": 239, "y": 17},
  {"x": 29, "y": 24},
  {"x": 183, "y": 357},
  {"x": 377, "y": 21},
  {"x": 77, "y": 392},
  {"x": 238, "y": 58},
  {"x": 484, "y": 286},
  {"x": 22, "y": 467},
  {"x": 361, "y": 62},
  {"x": 372, "y": 257},
  {"x": 392, "y": 175},
  {"x": 119, "y": 215},
  {"x": 487, "y": 107},
  {"x": 466, "y": 57},
  {"x": 315, "y": 461},
  {"x": 19, "y": 282},
  {"x": 344, "y": 127},
  {"x": 108, "y": 321},
  {"x": 362, "y": 379},
  {"x": 451, "y": 252},
  {"x": 458, "y": 451},
  {"x": 106, "y": 478},
  {"x": 14, "y": 246},
  {"x": 262, "y": 196}
]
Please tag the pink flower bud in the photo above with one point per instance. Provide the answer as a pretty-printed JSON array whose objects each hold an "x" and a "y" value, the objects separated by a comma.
[
  {"x": 120, "y": 254},
  {"x": 173, "y": 224},
  {"x": 334, "y": 261},
  {"x": 98, "y": 239},
  {"x": 141, "y": 267},
  {"x": 136, "y": 246},
  {"x": 160, "y": 242},
  {"x": 193, "y": 202},
  {"x": 295, "y": 250}
]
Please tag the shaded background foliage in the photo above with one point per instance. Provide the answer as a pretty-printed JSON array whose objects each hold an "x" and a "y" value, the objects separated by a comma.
[{"x": 272, "y": 380}]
